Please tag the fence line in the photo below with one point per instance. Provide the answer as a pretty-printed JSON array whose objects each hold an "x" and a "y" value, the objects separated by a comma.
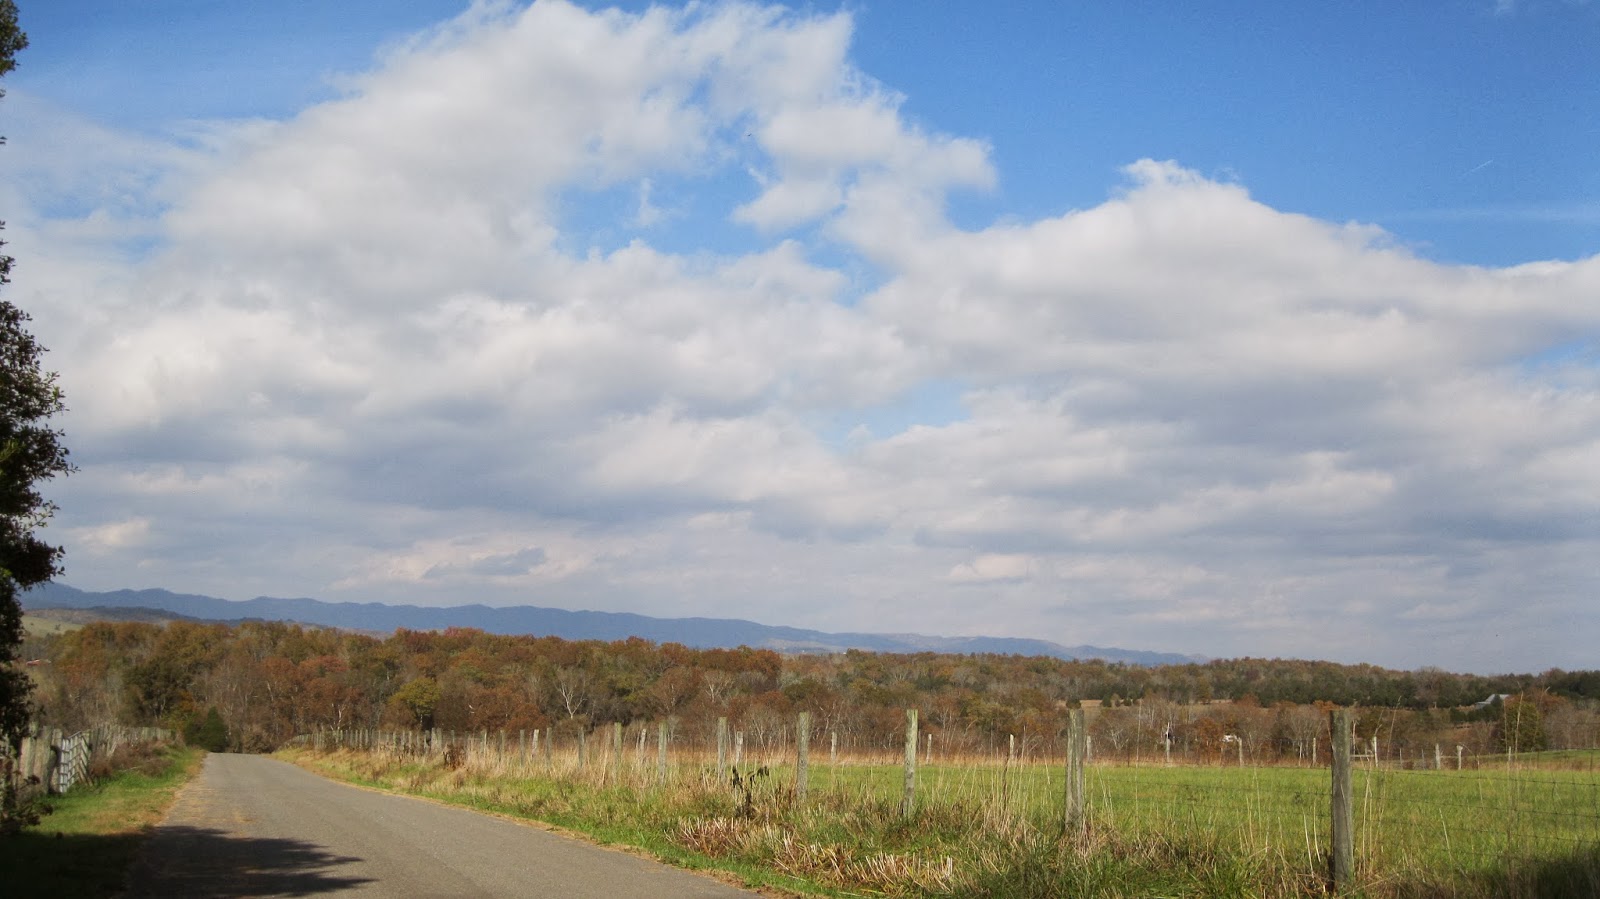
[
  {"x": 1351, "y": 817},
  {"x": 56, "y": 761}
]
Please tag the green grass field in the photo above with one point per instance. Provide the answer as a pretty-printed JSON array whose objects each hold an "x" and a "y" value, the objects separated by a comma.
[
  {"x": 84, "y": 846},
  {"x": 1529, "y": 830}
]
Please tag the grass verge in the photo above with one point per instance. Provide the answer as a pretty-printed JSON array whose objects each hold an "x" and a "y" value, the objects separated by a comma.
[
  {"x": 84, "y": 847},
  {"x": 842, "y": 841}
]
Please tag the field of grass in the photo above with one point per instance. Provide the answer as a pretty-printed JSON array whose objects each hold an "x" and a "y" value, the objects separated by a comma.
[
  {"x": 983, "y": 829},
  {"x": 84, "y": 846},
  {"x": 45, "y": 626}
]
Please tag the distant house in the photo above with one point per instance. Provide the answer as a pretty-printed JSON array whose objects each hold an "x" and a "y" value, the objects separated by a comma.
[{"x": 1495, "y": 698}]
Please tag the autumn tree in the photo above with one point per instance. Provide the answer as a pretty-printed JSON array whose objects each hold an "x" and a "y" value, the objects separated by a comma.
[
  {"x": 419, "y": 698},
  {"x": 1521, "y": 726}
]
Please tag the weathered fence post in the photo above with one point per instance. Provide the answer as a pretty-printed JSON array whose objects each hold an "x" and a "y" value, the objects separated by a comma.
[
  {"x": 909, "y": 799},
  {"x": 722, "y": 749},
  {"x": 1341, "y": 866},
  {"x": 661, "y": 752},
  {"x": 616, "y": 748},
  {"x": 1077, "y": 748},
  {"x": 549, "y": 749},
  {"x": 583, "y": 749},
  {"x": 833, "y": 748},
  {"x": 802, "y": 748},
  {"x": 738, "y": 748}
]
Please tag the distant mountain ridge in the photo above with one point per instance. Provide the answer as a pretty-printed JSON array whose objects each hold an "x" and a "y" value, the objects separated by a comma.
[{"x": 702, "y": 633}]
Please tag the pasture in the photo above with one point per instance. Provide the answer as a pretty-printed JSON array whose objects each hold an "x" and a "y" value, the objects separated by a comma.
[{"x": 1528, "y": 827}]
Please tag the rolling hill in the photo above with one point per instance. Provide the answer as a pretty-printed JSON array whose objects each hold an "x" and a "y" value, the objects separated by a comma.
[{"x": 702, "y": 633}]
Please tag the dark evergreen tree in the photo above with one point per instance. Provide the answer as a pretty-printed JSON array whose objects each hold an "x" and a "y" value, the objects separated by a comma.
[
  {"x": 30, "y": 452},
  {"x": 207, "y": 732}
]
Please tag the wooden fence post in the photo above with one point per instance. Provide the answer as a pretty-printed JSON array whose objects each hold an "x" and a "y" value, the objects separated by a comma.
[
  {"x": 802, "y": 744},
  {"x": 909, "y": 799},
  {"x": 1077, "y": 747},
  {"x": 722, "y": 749},
  {"x": 1341, "y": 867},
  {"x": 616, "y": 748},
  {"x": 661, "y": 752}
]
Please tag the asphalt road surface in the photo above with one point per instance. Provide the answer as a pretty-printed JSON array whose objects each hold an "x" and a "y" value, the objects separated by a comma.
[{"x": 255, "y": 826}]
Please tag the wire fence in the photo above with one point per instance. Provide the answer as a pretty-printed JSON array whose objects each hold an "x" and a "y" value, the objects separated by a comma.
[{"x": 1433, "y": 814}]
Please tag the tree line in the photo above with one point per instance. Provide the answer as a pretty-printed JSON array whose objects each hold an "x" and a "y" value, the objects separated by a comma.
[{"x": 270, "y": 681}]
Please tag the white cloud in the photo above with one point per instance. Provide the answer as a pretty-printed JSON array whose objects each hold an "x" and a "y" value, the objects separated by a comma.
[
  {"x": 112, "y": 536},
  {"x": 372, "y": 355},
  {"x": 992, "y": 567}
]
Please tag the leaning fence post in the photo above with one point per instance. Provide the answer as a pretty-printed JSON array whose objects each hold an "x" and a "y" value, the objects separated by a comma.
[
  {"x": 1342, "y": 859},
  {"x": 909, "y": 799},
  {"x": 802, "y": 743},
  {"x": 1077, "y": 749}
]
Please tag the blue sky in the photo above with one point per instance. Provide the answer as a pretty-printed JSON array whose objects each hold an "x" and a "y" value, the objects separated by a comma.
[
  {"x": 1466, "y": 129},
  {"x": 1259, "y": 329}
]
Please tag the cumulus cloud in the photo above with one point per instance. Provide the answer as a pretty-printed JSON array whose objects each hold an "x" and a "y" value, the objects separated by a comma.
[{"x": 367, "y": 353}]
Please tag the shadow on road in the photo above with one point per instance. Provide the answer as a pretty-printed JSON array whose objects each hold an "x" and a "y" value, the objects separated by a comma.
[{"x": 194, "y": 861}]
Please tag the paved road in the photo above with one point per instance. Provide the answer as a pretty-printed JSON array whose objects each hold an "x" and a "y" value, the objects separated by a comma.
[{"x": 255, "y": 826}]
